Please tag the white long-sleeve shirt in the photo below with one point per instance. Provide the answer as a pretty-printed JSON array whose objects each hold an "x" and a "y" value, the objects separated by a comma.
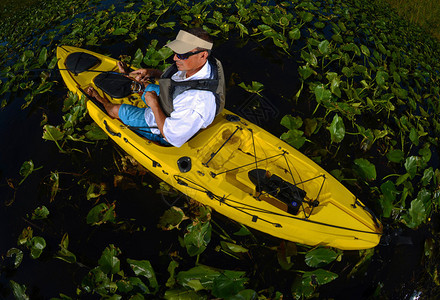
[{"x": 193, "y": 110}]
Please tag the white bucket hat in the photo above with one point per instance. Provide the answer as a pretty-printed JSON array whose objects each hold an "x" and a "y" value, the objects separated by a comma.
[{"x": 186, "y": 42}]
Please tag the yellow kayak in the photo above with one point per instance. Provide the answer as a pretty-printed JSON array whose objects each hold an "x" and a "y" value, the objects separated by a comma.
[{"x": 235, "y": 167}]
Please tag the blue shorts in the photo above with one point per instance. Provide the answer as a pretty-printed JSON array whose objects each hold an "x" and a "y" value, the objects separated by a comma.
[{"x": 134, "y": 117}]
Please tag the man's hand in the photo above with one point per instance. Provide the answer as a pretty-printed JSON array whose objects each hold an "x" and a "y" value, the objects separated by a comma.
[
  {"x": 144, "y": 75},
  {"x": 152, "y": 99}
]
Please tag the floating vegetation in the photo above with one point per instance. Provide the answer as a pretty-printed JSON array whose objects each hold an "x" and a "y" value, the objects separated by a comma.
[{"x": 366, "y": 107}]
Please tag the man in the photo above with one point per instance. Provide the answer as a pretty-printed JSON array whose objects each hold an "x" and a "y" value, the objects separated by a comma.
[{"x": 191, "y": 93}]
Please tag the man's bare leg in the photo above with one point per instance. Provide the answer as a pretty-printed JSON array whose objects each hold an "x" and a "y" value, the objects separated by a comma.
[{"x": 112, "y": 109}]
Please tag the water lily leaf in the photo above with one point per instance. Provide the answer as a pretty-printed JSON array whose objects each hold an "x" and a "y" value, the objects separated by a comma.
[
  {"x": 310, "y": 58},
  {"x": 319, "y": 25},
  {"x": 53, "y": 63},
  {"x": 416, "y": 214},
  {"x": 295, "y": 34},
  {"x": 37, "y": 246},
  {"x": 96, "y": 280},
  {"x": 291, "y": 122},
  {"x": 172, "y": 218},
  {"x": 243, "y": 231},
  {"x": 26, "y": 169},
  {"x": 365, "y": 169},
  {"x": 337, "y": 129},
  {"x": 19, "y": 290},
  {"x": 171, "y": 269},
  {"x": 101, "y": 213},
  {"x": 256, "y": 87},
  {"x": 231, "y": 247},
  {"x": 414, "y": 136},
  {"x": 324, "y": 47},
  {"x": 396, "y": 155},
  {"x": 138, "y": 58},
  {"x": 411, "y": 166},
  {"x": 426, "y": 154},
  {"x": 28, "y": 54},
  {"x": 428, "y": 174},
  {"x": 318, "y": 277},
  {"x": 243, "y": 29},
  {"x": 305, "y": 72},
  {"x": 181, "y": 294},
  {"x": 52, "y": 133},
  {"x": 197, "y": 238},
  {"x": 310, "y": 126},
  {"x": 294, "y": 137},
  {"x": 168, "y": 25},
  {"x": 389, "y": 192},
  {"x": 228, "y": 284},
  {"x": 63, "y": 253},
  {"x": 320, "y": 257},
  {"x": 40, "y": 213},
  {"x": 42, "y": 58},
  {"x": 322, "y": 94},
  {"x": 198, "y": 278},
  {"x": 365, "y": 50},
  {"x": 25, "y": 236},
  {"x": 109, "y": 262},
  {"x": 95, "y": 190},
  {"x": 334, "y": 87},
  {"x": 16, "y": 255},
  {"x": 120, "y": 31},
  {"x": 381, "y": 78},
  {"x": 302, "y": 289},
  {"x": 138, "y": 283},
  {"x": 402, "y": 178},
  {"x": 55, "y": 184},
  {"x": 306, "y": 16},
  {"x": 95, "y": 133}
]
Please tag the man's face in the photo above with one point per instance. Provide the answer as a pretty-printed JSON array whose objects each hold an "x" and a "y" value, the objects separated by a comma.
[{"x": 192, "y": 64}]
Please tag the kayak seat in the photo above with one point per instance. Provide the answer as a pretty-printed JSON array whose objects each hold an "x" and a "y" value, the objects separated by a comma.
[
  {"x": 79, "y": 62},
  {"x": 115, "y": 85},
  {"x": 278, "y": 188}
]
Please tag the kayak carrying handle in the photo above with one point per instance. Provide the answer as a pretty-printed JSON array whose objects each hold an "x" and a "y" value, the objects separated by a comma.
[{"x": 118, "y": 134}]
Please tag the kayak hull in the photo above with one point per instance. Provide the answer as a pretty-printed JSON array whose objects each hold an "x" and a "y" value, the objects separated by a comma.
[{"x": 217, "y": 168}]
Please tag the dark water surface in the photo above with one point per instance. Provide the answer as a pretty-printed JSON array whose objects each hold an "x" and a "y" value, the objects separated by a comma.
[{"x": 394, "y": 266}]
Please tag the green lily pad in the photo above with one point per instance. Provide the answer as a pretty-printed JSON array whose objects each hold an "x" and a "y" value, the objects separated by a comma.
[
  {"x": 365, "y": 169},
  {"x": 318, "y": 277},
  {"x": 395, "y": 155},
  {"x": 109, "y": 262},
  {"x": 322, "y": 94},
  {"x": 16, "y": 255},
  {"x": 416, "y": 214},
  {"x": 411, "y": 165},
  {"x": 172, "y": 218},
  {"x": 145, "y": 269},
  {"x": 40, "y": 213},
  {"x": 18, "y": 290},
  {"x": 101, "y": 213},
  {"x": 37, "y": 246},
  {"x": 197, "y": 238},
  {"x": 337, "y": 129},
  {"x": 320, "y": 257}
]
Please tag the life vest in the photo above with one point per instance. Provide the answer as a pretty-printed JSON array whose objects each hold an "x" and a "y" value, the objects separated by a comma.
[{"x": 169, "y": 89}]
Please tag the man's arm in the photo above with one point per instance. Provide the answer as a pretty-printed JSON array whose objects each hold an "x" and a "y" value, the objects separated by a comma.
[
  {"x": 151, "y": 99},
  {"x": 143, "y": 75}
]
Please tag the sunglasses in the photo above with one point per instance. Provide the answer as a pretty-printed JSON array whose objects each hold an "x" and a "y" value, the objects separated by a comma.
[{"x": 186, "y": 55}]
